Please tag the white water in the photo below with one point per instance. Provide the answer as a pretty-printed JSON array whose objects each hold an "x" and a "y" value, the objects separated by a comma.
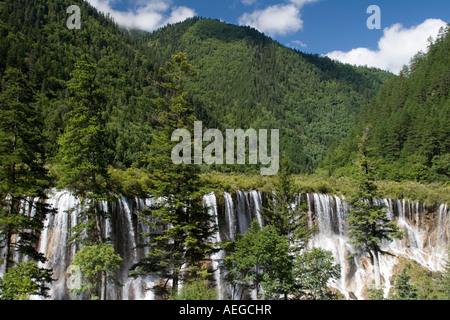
[
  {"x": 425, "y": 241},
  {"x": 55, "y": 245},
  {"x": 426, "y": 236}
]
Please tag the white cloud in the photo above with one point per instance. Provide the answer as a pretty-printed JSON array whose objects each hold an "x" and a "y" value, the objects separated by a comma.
[
  {"x": 149, "y": 15},
  {"x": 248, "y": 2},
  {"x": 280, "y": 19},
  {"x": 296, "y": 44},
  {"x": 395, "y": 48},
  {"x": 274, "y": 20},
  {"x": 180, "y": 14},
  {"x": 301, "y": 3}
]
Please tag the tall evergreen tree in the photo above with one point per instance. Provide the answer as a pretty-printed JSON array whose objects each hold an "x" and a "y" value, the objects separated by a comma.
[
  {"x": 181, "y": 228},
  {"x": 23, "y": 177},
  {"x": 82, "y": 166},
  {"x": 82, "y": 144},
  {"x": 284, "y": 211},
  {"x": 82, "y": 163},
  {"x": 368, "y": 222}
]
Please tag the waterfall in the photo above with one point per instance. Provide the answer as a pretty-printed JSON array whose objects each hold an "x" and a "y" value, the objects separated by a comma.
[
  {"x": 209, "y": 202},
  {"x": 54, "y": 242},
  {"x": 230, "y": 216},
  {"x": 426, "y": 238}
]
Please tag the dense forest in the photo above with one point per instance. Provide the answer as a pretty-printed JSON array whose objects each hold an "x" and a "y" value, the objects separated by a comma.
[
  {"x": 244, "y": 80},
  {"x": 408, "y": 120},
  {"x": 92, "y": 110}
]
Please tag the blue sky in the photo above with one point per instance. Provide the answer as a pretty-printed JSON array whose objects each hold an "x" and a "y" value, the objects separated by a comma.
[{"x": 337, "y": 28}]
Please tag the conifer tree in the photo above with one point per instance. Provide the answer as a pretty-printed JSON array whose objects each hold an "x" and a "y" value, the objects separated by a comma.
[
  {"x": 368, "y": 222},
  {"x": 23, "y": 178},
  {"x": 404, "y": 290},
  {"x": 181, "y": 227},
  {"x": 82, "y": 163},
  {"x": 283, "y": 210}
]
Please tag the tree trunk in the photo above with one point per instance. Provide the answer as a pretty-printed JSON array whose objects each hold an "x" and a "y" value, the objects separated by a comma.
[
  {"x": 9, "y": 234},
  {"x": 103, "y": 286},
  {"x": 8, "y": 250},
  {"x": 175, "y": 283}
]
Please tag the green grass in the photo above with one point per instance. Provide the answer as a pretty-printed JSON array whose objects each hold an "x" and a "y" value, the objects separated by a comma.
[
  {"x": 429, "y": 194},
  {"x": 134, "y": 182}
]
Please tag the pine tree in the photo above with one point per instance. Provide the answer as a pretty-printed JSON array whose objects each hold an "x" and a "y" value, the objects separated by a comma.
[
  {"x": 23, "y": 177},
  {"x": 82, "y": 145},
  {"x": 181, "y": 227},
  {"x": 283, "y": 210},
  {"x": 82, "y": 164},
  {"x": 368, "y": 222},
  {"x": 404, "y": 290}
]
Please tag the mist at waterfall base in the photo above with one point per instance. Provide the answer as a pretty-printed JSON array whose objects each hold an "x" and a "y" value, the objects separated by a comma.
[{"x": 426, "y": 235}]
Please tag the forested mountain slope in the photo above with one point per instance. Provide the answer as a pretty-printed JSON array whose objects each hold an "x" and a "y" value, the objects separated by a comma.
[
  {"x": 245, "y": 79},
  {"x": 409, "y": 119}
]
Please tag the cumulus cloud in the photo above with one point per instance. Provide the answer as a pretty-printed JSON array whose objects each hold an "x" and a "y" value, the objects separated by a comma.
[
  {"x": 274, "y": 20},
  {"x": 395, "y": 48},
  {"x": 280, "y": 19},
  {"x": 148, "y": 15}
]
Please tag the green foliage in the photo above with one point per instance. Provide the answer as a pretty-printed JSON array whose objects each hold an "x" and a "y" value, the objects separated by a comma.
[
  {"x": 81, "y": 151},
  {"x": 261, "y": 260},
  {"x": 24, "y": 280},
  {"x": 428, "y": 285},
  {"x": 314, "y": 269},
  {"x": 181, "y": 226},
  {"x": 196, "y": 290},
  {"x": 244, "y": 75},
  {"x": 368, "y": 223},
  {"x": 404, "y": 290},
  {"x": 22, "y": 173},
  {"x": 283, "y": 211},
  {"x": 97, "y": 263},
  {"x": 375, "y": 293},
  {"x": 409, "y": 114}
]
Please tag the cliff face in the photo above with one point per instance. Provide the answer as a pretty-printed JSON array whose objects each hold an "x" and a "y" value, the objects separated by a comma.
[{"x": 425, "y": 241}]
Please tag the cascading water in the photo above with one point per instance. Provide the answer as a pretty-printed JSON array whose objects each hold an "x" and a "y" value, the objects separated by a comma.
[
  {"x": 55, "y": 244},
  {"x": 426, "y": 238},
  {"x": 209, "y": 202}
]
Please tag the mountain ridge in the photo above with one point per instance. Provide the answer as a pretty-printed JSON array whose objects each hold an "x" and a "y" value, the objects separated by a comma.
[
  {"x": 245, "y": 80},
  {"x": 257, "y": 82}
]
